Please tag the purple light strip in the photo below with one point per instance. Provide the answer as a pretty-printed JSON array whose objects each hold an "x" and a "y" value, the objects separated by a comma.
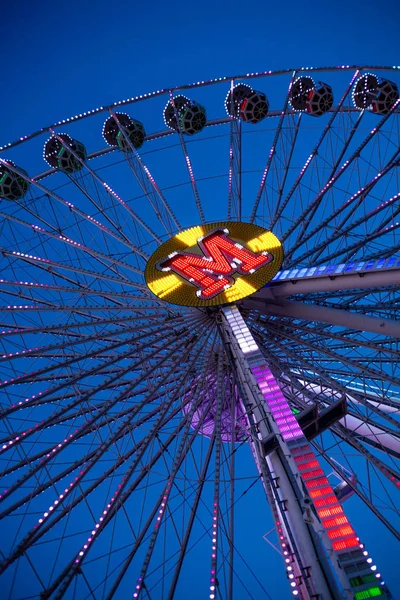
[
  {"x": 214, "y": 533},
  {"x": 277, "y": 403},
  {"x": 270, "y": 389}
]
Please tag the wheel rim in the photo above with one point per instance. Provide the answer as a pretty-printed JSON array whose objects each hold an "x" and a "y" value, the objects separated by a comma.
[{"x": 89, "y": 353}]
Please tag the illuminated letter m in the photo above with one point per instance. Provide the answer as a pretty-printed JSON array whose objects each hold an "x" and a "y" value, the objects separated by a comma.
[{"x": 212, "y": 272}]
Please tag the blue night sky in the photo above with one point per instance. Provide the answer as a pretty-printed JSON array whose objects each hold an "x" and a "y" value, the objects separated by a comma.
[
  {"x": 64, "y": 59},
  {"x": 60, "y": 59}
]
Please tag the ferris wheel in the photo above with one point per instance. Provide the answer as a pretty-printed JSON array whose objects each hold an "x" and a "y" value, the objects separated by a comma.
[{"x": 199, "y": 326}]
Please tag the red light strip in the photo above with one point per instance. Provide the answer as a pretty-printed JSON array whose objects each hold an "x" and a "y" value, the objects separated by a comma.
[
  {"x": 309, "y": 466},
  {"x": 222, "y": 257}
]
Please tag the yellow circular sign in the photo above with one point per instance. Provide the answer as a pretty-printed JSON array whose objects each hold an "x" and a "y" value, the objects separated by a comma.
[{"x": 214, "y": 264}]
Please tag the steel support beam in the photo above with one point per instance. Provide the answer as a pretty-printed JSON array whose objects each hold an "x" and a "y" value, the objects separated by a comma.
[
  {"x": 323, "y": 314},
  {"x": 330, "y": 283},
  {"x": 279, "y": 470}
]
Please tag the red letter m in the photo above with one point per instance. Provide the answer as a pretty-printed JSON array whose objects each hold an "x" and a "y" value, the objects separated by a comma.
[{"x": 212, "y": 272}]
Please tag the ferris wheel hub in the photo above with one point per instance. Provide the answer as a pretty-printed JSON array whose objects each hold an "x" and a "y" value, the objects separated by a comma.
[{"x": 214, "y": 264}]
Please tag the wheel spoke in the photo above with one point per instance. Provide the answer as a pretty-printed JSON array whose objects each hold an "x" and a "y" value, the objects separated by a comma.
[{"x": 143, "y": 421}]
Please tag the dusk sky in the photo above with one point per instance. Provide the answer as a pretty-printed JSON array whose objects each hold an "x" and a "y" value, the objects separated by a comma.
[{"x": 61, "y": 59}]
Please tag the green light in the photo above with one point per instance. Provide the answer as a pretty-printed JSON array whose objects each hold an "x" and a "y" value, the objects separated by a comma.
[
  {"x": 295, "y": 411},
  {"x": 359, "y": 580},
  {"x": 369, "y": 593},
  {"x": 369, "y": 578}
]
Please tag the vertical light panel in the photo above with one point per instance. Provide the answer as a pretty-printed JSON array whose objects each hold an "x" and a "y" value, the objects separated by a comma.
[
  {"x": 277, "y": 403},
  {"x": 242, "y": 333},
  {"x": 352, "y": 556}
]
